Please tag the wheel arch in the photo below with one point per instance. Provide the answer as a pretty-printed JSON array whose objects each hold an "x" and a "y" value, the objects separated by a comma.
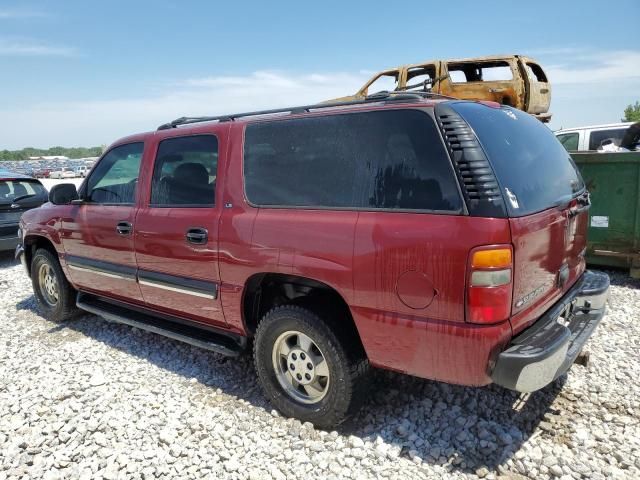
[
  {"x": 265, "y": 291},
  {"x": 32, "y": 243}
]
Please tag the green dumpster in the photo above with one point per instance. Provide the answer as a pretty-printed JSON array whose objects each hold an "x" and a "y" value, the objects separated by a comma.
[{"x": 613, "y": 179}]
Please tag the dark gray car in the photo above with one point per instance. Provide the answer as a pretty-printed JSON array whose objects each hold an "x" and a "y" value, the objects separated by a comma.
[{"x": 18, "y": 193}]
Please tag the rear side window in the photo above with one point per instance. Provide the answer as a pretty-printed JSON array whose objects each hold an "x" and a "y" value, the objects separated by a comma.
[
  {"x": 600, "y": 138},
  {"x": 10, "y": 190},
  {"x": 569, "y": 140},
  {"x": 479, "y": 72},
  {"x": 373, "y": 160},
  {"x": 536, "y": 73},
  {"x": 534, "y": 170},
  {"x": 185, "y": 172}
]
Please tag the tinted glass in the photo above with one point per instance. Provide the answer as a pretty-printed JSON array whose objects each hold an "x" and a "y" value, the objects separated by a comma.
[
  {"x": 598, "y": 138},
  {"x": 185, "y": 171},
  {"x": 374, "y": 160},
  {"x": 115, "y": 177},
  {"x": 527, "y": 158},
  {"x": 12, "y": 189},
  {"x": 569, "y": 140}
]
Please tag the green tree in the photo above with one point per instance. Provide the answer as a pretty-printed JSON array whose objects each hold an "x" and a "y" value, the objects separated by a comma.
[
  {"x": 72, "y": 152},
  {"x": 632, "y": 113}
]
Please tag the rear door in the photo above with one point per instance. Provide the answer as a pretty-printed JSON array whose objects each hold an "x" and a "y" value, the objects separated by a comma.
[
  {"x": 495, "y": 80},
  {"x": 97, "y": 236},
  {"x": 546, "y": 200},
  {"x": 177, "y": 230}
]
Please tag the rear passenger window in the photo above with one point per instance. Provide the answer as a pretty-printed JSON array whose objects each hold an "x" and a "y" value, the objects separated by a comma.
[
  {"x": 373, "y": 160},
  {"x": 479, "y": 72},
  {"x": 535, "y": 72},
  {"x": 600, "y": 138},
  {"x": 185, "y": 172}
]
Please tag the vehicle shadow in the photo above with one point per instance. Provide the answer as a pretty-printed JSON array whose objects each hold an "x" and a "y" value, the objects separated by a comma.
[{"x": 460, "y": 428}]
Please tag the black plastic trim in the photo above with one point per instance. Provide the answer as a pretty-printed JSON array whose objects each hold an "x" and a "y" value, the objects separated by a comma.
[
  {"x": 477, "y": 179},
  {"x": 102, "y": 266}
]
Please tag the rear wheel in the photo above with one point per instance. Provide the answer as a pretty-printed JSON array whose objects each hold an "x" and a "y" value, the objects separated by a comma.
[
  {"x": 306, "y": 370},
  {"x": 55, "y": 297}
]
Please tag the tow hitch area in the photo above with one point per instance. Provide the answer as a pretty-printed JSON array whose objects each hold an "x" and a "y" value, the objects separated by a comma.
[{"x": 547, "y": 349}]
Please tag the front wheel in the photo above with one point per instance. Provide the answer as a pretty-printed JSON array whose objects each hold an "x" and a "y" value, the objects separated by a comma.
[
  {"x": 306, "y": 370},
  {"x": 55, "y": 297}
]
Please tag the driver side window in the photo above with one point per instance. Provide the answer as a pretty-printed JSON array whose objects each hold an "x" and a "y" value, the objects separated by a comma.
[{"x": 114, "y": 179}]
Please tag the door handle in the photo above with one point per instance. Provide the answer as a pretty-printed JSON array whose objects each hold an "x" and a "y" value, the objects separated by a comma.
[
  {"x": 123, "y": 228},
  {"x": 198, "y": 236}
]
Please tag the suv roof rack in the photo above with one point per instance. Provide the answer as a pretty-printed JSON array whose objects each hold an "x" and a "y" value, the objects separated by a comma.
[{"x": 383, "y": 96}]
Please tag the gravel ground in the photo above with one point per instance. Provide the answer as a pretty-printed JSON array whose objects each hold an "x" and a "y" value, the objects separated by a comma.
[{"x": 89, "y": 399}]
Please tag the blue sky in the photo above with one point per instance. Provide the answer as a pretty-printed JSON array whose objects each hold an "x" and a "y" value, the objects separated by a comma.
[{"x": 85, "y": 73}]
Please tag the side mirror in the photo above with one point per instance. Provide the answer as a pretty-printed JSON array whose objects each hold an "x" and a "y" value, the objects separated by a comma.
[{"x": 63, "y": 194}]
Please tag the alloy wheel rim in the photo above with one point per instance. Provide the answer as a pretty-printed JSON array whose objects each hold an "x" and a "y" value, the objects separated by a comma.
[
  {"x": 301, "y": 367},
  {"x": 48, "y": 284}
]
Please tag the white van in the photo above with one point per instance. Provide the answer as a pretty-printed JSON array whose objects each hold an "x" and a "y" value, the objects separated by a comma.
[{"x": 592, "y": 137}]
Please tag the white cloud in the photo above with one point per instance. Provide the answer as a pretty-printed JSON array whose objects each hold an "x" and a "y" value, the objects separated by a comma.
[
  {"x": 597, "y": 67},
  {"x": 13, "y": 14},
  {"x": 578, "y": 96},
  {"x": 103, "y": 121},
  {"x": 27, "y": 48}
]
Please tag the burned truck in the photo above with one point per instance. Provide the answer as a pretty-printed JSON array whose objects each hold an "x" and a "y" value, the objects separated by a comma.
[{"x": 513, "y": 80}]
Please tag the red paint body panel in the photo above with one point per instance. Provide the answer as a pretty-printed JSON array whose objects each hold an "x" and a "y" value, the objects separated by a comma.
[
  {"x": 89, "y": 231},
  {"x": 403, "y": 275},
  {"x": 161, "y": 245},
  {"x": 455, "y": 353}
]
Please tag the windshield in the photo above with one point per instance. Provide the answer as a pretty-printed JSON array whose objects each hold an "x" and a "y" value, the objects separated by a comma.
[
  {"x": 12, "y": 189},
  {"x": 534, "y": 170}
]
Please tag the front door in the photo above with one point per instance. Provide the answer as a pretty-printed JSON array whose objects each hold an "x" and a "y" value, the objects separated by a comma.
[
  {"x": 177, "y": 231},
  {"x": 97, "y": 236}
]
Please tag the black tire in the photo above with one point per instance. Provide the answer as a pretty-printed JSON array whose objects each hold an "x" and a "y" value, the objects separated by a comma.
[
  {"x": 347, "y": 365},
  {"x": 64, "y": 308}
]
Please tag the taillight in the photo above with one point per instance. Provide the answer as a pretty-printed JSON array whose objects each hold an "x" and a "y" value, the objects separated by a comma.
[{"x": 489, "y": 283}]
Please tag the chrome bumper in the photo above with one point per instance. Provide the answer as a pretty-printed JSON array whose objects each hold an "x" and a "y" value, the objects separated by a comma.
[{"x": 546, "y": 350}]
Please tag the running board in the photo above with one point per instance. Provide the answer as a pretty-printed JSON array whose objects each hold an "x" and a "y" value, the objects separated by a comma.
[{"x": 224, "y": 343}]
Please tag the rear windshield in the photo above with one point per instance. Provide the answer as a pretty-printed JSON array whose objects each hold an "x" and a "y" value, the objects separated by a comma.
[
  {"x": 12, "y": 189},
  {"x": 534, "y": 170}
]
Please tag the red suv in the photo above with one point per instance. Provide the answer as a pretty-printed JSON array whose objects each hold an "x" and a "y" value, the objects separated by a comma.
[{"x": 443, "y": 239}]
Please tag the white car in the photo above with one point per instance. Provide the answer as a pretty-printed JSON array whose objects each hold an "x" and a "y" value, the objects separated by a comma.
[
  {"x": 592, "y": 137},
  {"x": 64, "y": 172},
  {"x": 82, "y": 171}
]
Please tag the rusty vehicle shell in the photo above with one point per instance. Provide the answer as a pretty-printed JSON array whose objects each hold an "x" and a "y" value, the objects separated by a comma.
[{"x": 527, "y": 89}]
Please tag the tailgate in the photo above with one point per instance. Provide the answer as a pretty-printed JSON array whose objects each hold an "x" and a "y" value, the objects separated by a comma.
[{"x": 549, "y": 250}]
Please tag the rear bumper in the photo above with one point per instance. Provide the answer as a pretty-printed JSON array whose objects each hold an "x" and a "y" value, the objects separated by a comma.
[{"x": 547, "y": 349}]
